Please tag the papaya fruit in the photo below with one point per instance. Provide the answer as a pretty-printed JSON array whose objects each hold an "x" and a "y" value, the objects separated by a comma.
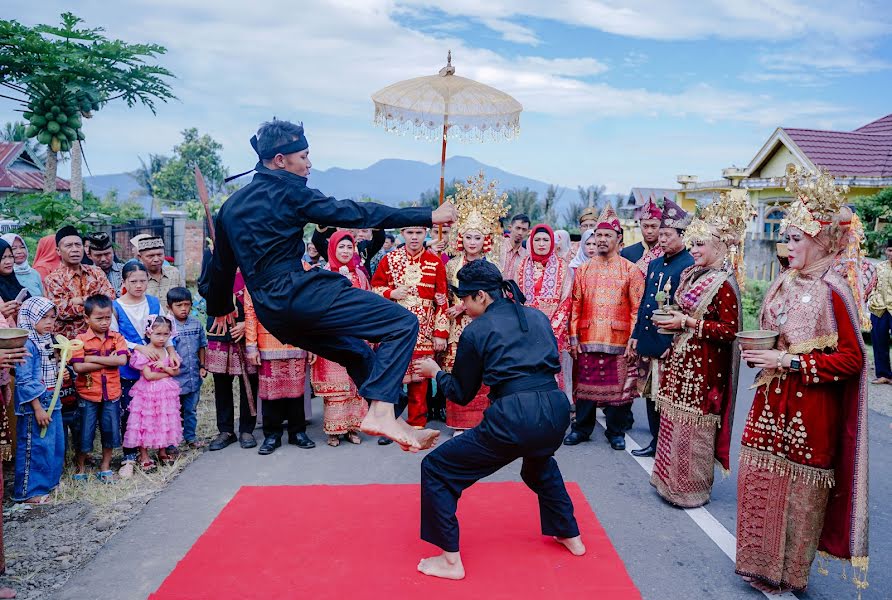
[
  {"x": 55, "y": 144},
  {"x": 44, "y": 137},
  {"x": 53, "y": 127},
  {"x": 38, "y": 121}
]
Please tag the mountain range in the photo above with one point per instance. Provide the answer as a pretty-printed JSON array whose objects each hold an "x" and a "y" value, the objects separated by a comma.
[{"x": 390, "y": 181}]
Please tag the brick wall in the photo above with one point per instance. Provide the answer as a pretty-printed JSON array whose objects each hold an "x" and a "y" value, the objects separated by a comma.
[{"x": 194, "y": 248}]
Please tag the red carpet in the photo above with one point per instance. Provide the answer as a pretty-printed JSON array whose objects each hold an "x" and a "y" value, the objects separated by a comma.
[{"x": 340, "y": 542}]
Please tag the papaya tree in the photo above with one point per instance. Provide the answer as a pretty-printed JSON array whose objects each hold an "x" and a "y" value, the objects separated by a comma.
[{"x": 61, "y": 75}]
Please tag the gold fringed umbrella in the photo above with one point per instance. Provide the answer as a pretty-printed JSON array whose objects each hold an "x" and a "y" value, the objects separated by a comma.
[{"x": 448, "y": 107}]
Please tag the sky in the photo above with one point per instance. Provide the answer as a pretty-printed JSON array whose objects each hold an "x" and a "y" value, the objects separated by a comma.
[{"x": 619, "y": 94}]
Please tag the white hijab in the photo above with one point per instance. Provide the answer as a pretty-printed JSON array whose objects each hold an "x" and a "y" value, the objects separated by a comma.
[{"x": 580, "y": 258}]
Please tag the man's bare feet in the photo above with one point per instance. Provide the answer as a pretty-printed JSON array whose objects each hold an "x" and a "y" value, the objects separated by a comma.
[
  {"x": 573, "y": 544},
  {"x": 446, "y": 566},
  {"x": 6, "y": 592},
  {"x": 767, "y": 587},
  {"x": 381, "y": 421}
]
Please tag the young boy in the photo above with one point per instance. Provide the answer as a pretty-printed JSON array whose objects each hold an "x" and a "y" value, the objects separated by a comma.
[
  {"x": 191, "y": 342},
  {"x": 98, "y": 385}
]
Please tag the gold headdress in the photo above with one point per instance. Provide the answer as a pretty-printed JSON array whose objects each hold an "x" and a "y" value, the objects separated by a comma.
[
  {"x": 724, "y": 219},
  {"x": 479, "y": 208},
  {"x": 818, "y": 200}
]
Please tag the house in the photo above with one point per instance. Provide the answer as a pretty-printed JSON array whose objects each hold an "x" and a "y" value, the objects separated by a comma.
[
  {"x": 22, "y": 173},
  {"x": 631, "y": 206},
  {"x": 860, "y": 159}
]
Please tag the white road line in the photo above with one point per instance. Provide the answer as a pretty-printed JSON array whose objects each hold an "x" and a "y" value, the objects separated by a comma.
[{"x": 724, "y": 539}]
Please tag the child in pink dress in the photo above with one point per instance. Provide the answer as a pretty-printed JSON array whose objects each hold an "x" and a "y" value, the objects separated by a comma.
[{"x": 154, "y": 420}]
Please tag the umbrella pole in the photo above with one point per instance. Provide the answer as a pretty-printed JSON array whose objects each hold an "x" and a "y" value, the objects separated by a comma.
[{"x": 442, "y": 176}]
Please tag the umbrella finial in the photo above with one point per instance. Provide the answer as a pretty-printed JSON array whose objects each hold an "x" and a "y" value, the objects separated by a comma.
[{"x": 448, "y": 69}]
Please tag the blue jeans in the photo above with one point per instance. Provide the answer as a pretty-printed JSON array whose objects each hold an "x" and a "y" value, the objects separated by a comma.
[
  {"x": 71, "y": 425},
  {"x": 107, "y": 415},
  {"x": 880, "y": 334},
  {"x": 188, "y": 408}
]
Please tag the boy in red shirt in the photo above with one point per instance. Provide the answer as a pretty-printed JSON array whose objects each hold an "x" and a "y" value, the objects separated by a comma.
[{"x": 98, "y": 385}]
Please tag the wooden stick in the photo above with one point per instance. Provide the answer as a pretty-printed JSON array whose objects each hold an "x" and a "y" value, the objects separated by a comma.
[{"x": 205, "y": 200}]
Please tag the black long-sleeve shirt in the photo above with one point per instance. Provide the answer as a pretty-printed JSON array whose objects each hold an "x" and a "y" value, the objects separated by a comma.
[
  {"x": 494, "y": 350},
  {"x": 260, "y": 230}
]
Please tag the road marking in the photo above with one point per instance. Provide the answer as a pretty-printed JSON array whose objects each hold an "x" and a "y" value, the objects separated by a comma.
[{"x": 724, "y": 539}]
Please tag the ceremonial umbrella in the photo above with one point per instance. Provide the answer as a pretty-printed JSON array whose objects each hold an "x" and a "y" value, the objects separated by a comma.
[{"x": 448, "y": 107}]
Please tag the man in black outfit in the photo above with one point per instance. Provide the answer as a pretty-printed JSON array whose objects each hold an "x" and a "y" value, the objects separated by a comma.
[
  {"x": 260, "y": 230},
  {"x": 512, "y": 349}
]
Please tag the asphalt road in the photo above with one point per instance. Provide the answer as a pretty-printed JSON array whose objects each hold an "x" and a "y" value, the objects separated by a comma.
[{"x": 667, "y": 555}]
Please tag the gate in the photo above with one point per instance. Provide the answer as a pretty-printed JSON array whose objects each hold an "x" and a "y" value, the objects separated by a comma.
[{"x": 121, "y": 234}]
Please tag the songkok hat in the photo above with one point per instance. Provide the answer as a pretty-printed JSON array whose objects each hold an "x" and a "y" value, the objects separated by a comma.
[
  {"x": 150, "y": 243},
  {"x": 589, "y": 212},
  {"x": 99, "y": 240},
  {"x": 650, "y": 210},
  {"x": 675, "y": 216},
  {"x": 609, "y": 220},
  {"x": 65, "y": 232}
]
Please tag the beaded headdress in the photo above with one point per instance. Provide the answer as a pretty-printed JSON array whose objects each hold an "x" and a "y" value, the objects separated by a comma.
[
  {"x": 724, "y": 219},
  {"x": 479, "y": 208},
  {"x": 818, "y": 200}
]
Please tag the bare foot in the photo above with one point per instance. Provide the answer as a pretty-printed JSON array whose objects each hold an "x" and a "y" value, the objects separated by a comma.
[
  {"x": 6, "y": 592},
  {"x": 446, "y": 566},
  {"x": 381, "y": 421},
  {"x": 768, "y": 588},
  {"x": 573, "y": 544}
]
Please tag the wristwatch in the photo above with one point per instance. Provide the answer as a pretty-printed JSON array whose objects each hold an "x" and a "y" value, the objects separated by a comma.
[{"x": 795, "y": 364}]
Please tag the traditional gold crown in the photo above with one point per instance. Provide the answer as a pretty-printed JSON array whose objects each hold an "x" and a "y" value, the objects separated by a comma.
[
  {"x": 818, "y": 200},
  {"x": 725, "y": 218},
  {"x": 479, "y": 208}
]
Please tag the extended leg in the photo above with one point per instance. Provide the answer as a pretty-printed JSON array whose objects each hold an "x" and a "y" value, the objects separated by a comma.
[{"x": 542, "y": 475}]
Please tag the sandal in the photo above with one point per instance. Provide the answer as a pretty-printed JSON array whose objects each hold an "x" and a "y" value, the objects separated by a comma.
[
  {"x": 354, "y": 438},
  {"x": 334, "y": 441},
  {"x": 197, "y": 444},
  {"x": 80, "y": 477},
  {"x": 166, "y": 460},
  {"x": 45, "y": 499},
  {"x": 148, "y": 465},
  {"x": 106, "y": 476}
]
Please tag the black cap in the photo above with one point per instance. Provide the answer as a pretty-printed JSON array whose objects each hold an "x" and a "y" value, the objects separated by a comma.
[{"x": 65, "y": 232}]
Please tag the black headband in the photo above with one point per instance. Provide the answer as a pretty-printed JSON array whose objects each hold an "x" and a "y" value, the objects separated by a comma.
[
  {"x": 297, "y": 145},
  {"x": 508, "y": 286}
]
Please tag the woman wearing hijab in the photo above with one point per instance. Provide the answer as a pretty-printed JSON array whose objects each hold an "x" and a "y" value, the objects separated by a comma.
[
  {"x": 562, "y": 243},
  {"x": 587, "y": 249},
  {"x": 46, "y": 259},
  {"x": 24, "y": 272},
  {"x": 545, "y": 280},
  {"x": 10, "y": 288}
]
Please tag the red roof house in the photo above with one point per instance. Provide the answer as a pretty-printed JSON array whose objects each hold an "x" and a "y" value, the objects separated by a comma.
[{"x": 22, "y": 173}]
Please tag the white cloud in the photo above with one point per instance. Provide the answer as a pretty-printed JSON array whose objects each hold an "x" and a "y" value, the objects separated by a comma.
[{"x": 512, "y": 32}]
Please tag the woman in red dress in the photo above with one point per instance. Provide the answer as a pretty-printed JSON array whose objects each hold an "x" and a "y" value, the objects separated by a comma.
[
  {"x": 699, "y": 381},
  {"x": 802, "y": 486}
]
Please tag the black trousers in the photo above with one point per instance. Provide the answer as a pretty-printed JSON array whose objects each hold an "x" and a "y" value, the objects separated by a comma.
[
  {"x": 225, "y": 404},
  {"x": 529, "y": 425},
  {"x": 341, "y": 331},
  {"x": 619, "y": 419},
  {"x": 653, "y": 421},
  {"x": 276, "y": 412}
]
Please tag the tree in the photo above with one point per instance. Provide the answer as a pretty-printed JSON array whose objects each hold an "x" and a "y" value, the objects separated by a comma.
[
  {"x": 592, "y": 195},
  {"x": 63, "y": 74},
  {"x": 39, "y": 214},
  {"x": 15, "y": 132},
  {"x": 875, "y": 212},
  {"x": 146, "y": 172},
  {"x": 552, "y": 195},
  {"x": 431, "y": 198},
  {"x": 174, "y": 183},
  {"x": 526, "y": 201}
]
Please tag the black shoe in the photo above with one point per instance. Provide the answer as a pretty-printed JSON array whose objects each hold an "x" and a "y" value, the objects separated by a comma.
[
  {"x": 574, "y": 437},
  {"x": 301, "y": 440},
  {"x": 618, "y": 442},
  {"x": 222, "y": 440},
  {"x": 246, "y": 440},
  {"x": 383, "y": 441},
  {"x": 649, "y": 450},
  {"x": 269, "y": 445},
  {"x": 441, "y": 415}
]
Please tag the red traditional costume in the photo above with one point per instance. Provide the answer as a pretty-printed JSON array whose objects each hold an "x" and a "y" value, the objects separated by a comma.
[
  {"x": 802, "y": 485},
  {"x": 546, "y": 282},
  {"x": 479, "y": 209},
  {"x": 343, "y": 408},
  {"x": 425, "y": 277},
  {"x": 698, "y": 385}
]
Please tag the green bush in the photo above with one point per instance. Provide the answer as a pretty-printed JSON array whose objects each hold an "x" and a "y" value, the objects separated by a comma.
[{"x": 752, "y": 302}]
